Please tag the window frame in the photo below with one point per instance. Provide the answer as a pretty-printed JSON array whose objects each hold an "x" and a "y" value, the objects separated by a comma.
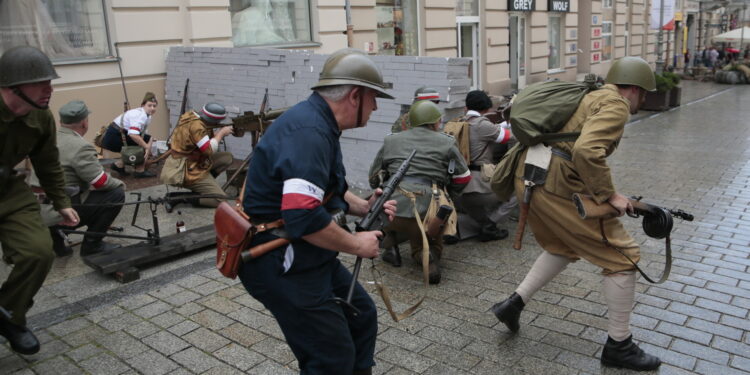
[
  {"x": 312, "y": 28},
  {"x": 607, "y": 4},
  {"x": 561, "y": 42},
  {"x": 107, "y": 56},
  {"x": 609, "y": 34}
]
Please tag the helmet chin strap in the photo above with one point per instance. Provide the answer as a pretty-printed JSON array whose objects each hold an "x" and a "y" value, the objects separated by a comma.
[
  {"x": 25, "y": 98},
  {"x": 359, "y": 108}
]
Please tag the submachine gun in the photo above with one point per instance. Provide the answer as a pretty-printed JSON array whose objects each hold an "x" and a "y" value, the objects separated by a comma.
[{"x": 657, "y": 223}]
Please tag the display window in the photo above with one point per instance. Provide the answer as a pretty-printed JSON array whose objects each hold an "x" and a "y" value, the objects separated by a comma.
[
  {"x": 397, "y": 27},
  {"x": 270, "y": 22}
]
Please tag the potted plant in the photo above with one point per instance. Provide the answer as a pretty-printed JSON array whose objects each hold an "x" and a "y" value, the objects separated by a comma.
[
  {"x": 675, "y": 94},
  {"x": 659, "y": 100}
]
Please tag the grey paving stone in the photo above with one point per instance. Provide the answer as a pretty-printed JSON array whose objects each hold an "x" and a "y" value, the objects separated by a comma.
[
  {"x": 223, "y": 370},
  {"x": 451, "y": 356},
  {"x": 558, "y": 325},
  {"x": 700, "y": 351},
  {"x": 660, "y": 314},
  {"x": 182, "y": 298},
  {"x": 406, "y": 359},
  {"x": 69, "y": 326},
  {"x": 82, "y": 353},
  {"x": 710, "y": 368},
  {"x": 120, "y": 322},
  {"x": 532, "y": 365},
  {"x": 275, "y": 349},
  {"x": 122, "y": 345},
  {"x": 167, "y": 319},
  {"x": 448, "y": 338},
  {"x": 211, "y": 320},
  {"x": 574, "y": 344},
  {"x": 107, "y": 312},
  {"x": 195, "y": 360},
  {"x": 731, "y": 346},
  {"x": 12, "y": 362},
  {"x": 242, "y": 334},
  {"x": 85, "y": 336},
  {"x": 239, "y": 356},
  {"x": 271, "y": 368},
  {"x": 57, "y": 366},
  {"x": 183, "y": 327},
  {"x": 670, "y": 356},
  {"x": 404, "y": 340},
  {"x": 152, "y": 363},
  {"x": 49, "y": 349},
  {"x": 741, "y": 363},
  {"x": 136, "y": 301},
  {"x": 721, "y": 307},
  {"x": 205, "y": 340},
  {"x": 685, "y": 333},
  {"x": 142, "y": 329},
  {"x": 151, "y": 310},
  {"x": 165, "y": 343},
  {"x": 104, "y": 364}
]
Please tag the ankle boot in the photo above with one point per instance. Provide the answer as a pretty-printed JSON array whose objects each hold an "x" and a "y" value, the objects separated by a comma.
[
  {"x": 509, "y": 311},
  {"x": 628, "y": 355},
  {"x": 21, "y": 339},
  {"x": 392, "y": 256},
  {"x": 491, "y": 233}
]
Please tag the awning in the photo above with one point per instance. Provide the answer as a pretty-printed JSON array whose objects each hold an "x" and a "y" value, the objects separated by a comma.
[{"x": 733, "y": 36}]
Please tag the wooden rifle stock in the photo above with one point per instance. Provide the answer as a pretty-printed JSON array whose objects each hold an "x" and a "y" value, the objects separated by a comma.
[{"x": 263, "y": 248}]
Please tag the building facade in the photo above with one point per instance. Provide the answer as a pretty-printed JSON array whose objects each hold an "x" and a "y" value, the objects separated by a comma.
[{"x": 511, "y": 43}]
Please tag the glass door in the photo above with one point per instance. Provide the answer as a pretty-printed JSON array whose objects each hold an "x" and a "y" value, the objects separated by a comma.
[
  {"x": 518, "y": 51},
  {"x": 468, "y": 45}
]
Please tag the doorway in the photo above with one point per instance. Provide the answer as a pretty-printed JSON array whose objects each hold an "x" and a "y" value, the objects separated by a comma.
[
  {"x": 468, "y": 46},
  {"x": 518, "y": 51}
]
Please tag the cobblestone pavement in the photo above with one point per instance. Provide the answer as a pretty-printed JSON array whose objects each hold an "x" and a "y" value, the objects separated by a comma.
[{"x": 182, "y": 317}]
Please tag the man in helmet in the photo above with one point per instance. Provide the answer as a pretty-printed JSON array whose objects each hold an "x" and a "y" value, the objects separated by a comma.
[
  {"x": 422, "y": 93},
  {"x": 194, "y": 162},
  {"x": 27, "y": 129},
  {"x": 437, "y": 170},
  {"x": 581, "y": 167},
  {"x": 296, "y": 180}
]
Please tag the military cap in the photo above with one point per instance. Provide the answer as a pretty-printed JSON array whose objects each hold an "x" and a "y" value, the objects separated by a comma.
[{"x": 73, "y": 112}]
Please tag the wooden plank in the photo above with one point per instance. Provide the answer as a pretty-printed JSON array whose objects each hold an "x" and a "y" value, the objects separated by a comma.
[{"x": 143, "y": 252}]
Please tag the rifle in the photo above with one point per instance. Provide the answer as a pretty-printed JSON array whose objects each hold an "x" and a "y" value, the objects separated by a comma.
[
  {"x": 183, "y": 106},
  {"x": 375, "y": 219}
]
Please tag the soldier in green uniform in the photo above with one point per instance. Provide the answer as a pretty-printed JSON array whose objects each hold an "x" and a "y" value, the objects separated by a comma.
[
  {"x": 422, "y": 93},
  {"x": 85, "y": 181},
  {"x": 437, "y": 168},
  {"x": 27, "y": 129},
  {"x": 581, "y": 167}
]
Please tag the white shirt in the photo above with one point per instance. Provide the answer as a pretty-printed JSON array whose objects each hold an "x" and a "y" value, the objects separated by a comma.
[{"x": 135, "y": 121}]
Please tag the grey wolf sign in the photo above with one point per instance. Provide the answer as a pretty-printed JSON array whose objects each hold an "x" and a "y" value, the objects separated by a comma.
[
  {"x": 521, "y": 5},
  {"x": 558, "y": 5}
]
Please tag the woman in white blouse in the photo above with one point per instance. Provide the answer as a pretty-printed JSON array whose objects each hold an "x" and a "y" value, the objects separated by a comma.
[{"x": 133, "y": 125}]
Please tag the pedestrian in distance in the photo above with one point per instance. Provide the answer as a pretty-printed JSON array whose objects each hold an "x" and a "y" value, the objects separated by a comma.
[
  {"x": 86, "y": 183},
  {"x": 437, "y": 171},
  {"x": 581, "y": 167},
  {"x": 296, "y": 179},
  {"x": 131, "y": 126},
  {"x": 27, "y": 129}
]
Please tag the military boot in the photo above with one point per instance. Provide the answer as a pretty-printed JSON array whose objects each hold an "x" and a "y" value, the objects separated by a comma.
[
  {"x": 175, "y": 198},
  {"x": 509, "y": 311},
  {"x": 490, "y": 232},
  {"x": 91, "y": 246},
  {"x": 627, "y": 354},
  {"x": 21, "y": 339},
  {"x": 392, "y": 256}
]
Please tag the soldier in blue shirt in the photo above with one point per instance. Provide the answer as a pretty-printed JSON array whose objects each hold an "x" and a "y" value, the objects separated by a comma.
[{"x": 297, "y": 175}]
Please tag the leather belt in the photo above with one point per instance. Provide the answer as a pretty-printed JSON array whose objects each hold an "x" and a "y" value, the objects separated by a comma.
[
  {"x": 561, "y": 154},
  {"x": 417, "y": 180}
]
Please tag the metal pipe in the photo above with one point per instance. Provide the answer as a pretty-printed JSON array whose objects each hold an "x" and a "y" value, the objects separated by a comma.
[
  {"x": 349, "y": 26},
  {"x": 659, "y": 57}
]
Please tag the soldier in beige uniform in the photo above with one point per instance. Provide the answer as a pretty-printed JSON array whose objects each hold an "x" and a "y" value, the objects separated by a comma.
[
  {"x": 600, "y": 118},
  {"x": 86, "y": 182},
  {"x": 194, "y": 162}
]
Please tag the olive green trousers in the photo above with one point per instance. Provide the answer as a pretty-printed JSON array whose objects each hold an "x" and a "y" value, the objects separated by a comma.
[{"x": 27, "y": 247}]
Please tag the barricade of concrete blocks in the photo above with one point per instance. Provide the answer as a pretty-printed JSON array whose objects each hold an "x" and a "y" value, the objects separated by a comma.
[{"x": 239, "y": 77}]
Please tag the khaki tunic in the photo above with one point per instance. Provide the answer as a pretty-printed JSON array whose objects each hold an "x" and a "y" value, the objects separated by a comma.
[
  {"x": 188, "y": 163},
  {"x": 601, "y": 118}
]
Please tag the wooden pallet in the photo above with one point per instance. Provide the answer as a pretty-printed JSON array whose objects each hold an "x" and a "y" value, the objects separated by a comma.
[{"x": 124, "y": 262}]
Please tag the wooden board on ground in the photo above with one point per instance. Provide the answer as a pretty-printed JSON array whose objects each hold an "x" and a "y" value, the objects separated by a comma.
[{"x": 124, "y": 259}]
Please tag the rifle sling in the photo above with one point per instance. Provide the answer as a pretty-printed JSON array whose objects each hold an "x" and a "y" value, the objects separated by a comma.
[{"x": 668, "y": 256}]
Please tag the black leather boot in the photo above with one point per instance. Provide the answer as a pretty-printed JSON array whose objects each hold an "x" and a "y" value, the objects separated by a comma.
[
  {"x": 628, "y": 355},
  {"x": 491, "y": 233},
  {"x": 20, "y": 338},
  {"x": 175, "y": 198},
  {"x": 509, "y": 311},
  {"x": 392, "y": 256}
]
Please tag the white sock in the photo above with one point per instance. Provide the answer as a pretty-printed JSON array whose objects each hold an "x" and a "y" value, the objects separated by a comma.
[
  {"x": 619, "y": 290},
  {"x": 545, "y": 268}
]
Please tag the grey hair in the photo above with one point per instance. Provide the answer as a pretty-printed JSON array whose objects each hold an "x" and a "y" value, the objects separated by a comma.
[{"x": 335, "y": 93}]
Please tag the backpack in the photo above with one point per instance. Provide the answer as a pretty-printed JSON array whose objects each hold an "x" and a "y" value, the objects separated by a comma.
[
  {"x": 460, "y": 131},
  {"x": 539, "y": 111}
]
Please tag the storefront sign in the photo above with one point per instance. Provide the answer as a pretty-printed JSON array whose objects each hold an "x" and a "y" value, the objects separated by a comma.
[
  {"x": 558, "y": 5},
  {"x": 521, "y": 5},
  {"x": 596, "y": 57}
]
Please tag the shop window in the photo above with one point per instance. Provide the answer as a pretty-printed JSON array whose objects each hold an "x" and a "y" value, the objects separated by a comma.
[
  {"x": 607, "y": 44},
  {"x": 467, "y": 8},
  {"x": 606, "y": 3},
  {"x": 63, "y": 29},
  {"x": 554, "y": 36},
  {"x": 397, "y": 27},
  {"x": 270, "y": 22}
]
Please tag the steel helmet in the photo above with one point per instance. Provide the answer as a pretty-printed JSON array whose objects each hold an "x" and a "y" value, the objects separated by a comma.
[
  {"x": 213, "y": 113},
  {"x": 426, "y": 93},
  {"x": 631, "y": 70},
  {"x": 25, "y": 64},
  {"x": 424, "y": 112},
  {"x": 352, "y": 67}
]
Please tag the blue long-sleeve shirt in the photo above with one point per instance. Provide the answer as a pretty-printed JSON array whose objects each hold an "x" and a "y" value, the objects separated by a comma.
[{"x": 296, "y": 163}]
